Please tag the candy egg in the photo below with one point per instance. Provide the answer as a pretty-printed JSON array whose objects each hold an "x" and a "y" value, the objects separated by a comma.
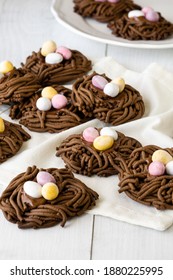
[
  {"x": 103, "y": 143},
  {"x": 156, "y": 168},
  {"x": 90, "y": 134},
  {"x": 32, "y": 189},
  {"x": 111, "y": 89},
  {"x": 48, "y": 47},
  {"x": 50, "y": 191},
  {"x": 43, "y": 104},
  {"x": 152, "y": 16},
  {"x": 54, "y": 58},
  {"x": 66, "y": 53},
  {"x": 48, "y": 92},
  {"x": 135, "y": 13},
  {"x": 120, "y": 82},
  {"x": 169, "y": 168},
  {"x": 109, "y": 131},
  {"x": 113, "y": 1},
  {"x": 162, "y": 156},
  {"x": 2, "y": 125},
  {"x": 145, "y": 10},
  {"x": 44, "y": 177},
  {"x": 99, "y": 81},
  {"x": 59, "y": 101},
  {"x": 6, "y": 67}
]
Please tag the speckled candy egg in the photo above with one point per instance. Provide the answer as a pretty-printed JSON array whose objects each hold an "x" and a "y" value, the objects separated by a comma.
[
  {"x": 50, "y": 191},
  {"x": 53, "y": 58},
  {"x": 169, "y": 168},
  {"x": 48, "y": 92},
  {"x": 103, "y": 143},
  {"x": 44, "y": 177},
  {"x": 109, "y": 132},
  {"x": 33, "y": 189},
  {"x": 111, "y": 89},
  {"x": 162, "y": 156},
  {"x": 65, "y": 52},
  {"x": 156, "y": 168},
  {"x": 120, "y": 82},
  {"x": 6, "y": 67},
  {"x": 152, "y": 16},
  {"x": 145, "y": 10},
  {"x": 48, "y": 47},
  {"x": 99, "y": 81},
  {"x": 90, "y": 134},
  {"x": 59, "y": 101},
  {"x": 2, "y": 125},
  {"x": 43, "y": 104}
]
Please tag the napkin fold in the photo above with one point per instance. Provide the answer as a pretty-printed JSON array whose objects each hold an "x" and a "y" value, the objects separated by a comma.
[{"x": 156, "y": 86}]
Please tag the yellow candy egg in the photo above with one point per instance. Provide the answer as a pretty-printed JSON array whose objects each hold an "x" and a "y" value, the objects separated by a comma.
[
  {"x": 2, "y": 125},
  {"x": 6, "y": 67},
  {"x": 103, "y": 143},
  {"x": 50, "y": 191},
  {"x": 162, "y": 156},
  {"x": 120, "y": 82},
  {"x": 48, "y": 47},
  {"x": 49, "y": 92}
]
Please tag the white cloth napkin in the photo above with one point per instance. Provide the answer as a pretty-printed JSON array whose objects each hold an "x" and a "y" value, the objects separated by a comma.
[{"x": 156, "y": 87}]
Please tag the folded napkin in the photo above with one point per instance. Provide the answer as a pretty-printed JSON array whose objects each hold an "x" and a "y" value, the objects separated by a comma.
[{"x": 156, "y": 87}]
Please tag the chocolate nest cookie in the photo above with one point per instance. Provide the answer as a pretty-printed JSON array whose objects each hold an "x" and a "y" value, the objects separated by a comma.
[
  {"x": 54, "y": 71},
  {"x": 12, "y": 137},
  {"x": 147, "y": 177},
  {"x": 90, "y": 154},
  {"x": 103, "y": 11},
  {"x": 141, "y": 28},
  {"x": 37, "y": 119},
  {"x": 17, "y": 85},
  {"x": 30, "y": 202},
  {"x": 90, "y": 95}
]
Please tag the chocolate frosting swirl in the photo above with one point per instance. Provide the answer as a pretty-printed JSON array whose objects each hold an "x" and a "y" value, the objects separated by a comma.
[{"x": 73, "y": 200}]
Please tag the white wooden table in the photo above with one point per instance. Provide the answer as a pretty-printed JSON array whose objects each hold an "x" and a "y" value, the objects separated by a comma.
[{"x": 24, "y": 26}]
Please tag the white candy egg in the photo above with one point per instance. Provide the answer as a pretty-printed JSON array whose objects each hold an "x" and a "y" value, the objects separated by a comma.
[
  {"x": 169, "y": 168},
  {"x": 109, "y": 132},
  {"x": 54, "y": 58},
  {"x": 135, "y": 13},
  {"x": 111, "y": 89},
  {"x": 32, "y": 189},
  {"x": 44, "y": 104}
]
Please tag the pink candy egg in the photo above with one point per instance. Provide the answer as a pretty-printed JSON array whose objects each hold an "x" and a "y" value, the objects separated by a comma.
[
  {"x": 90, "y": 134},
  {"x": 44, "y": 177},
  {"x": 156, "y": 168},
  {"x": 99, "y": 81},
  {"x": 152, "y": 16},
  {"x": 66, "y": 53},
  {"x": 145, "y": 10},
  {"x": 59, "y": 101}
]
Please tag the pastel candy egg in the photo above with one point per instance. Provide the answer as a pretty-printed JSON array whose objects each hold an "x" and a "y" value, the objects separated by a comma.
[
  {"x": 6, "y": 67},
  {"x": 99, "y": 81},
  {"x": 162, "y": 156},
  {"x": 2, "y": 125},
  {"x": 65, "y": 52},
  {"x": 48, "y": 92},
  {"x": 103, "y": 143},
  {"x": 54, "y": 58},
  {"x": 156, "y": 168},
  {"x": 43, "y": 104},
  {"x": 152, "y": 16},
  {"x": 135, "y": 13},
  {"x": 33, "y": 189},
  {"x": 145, "y": 10},
  {"x": 120, "y": 82},
  {"x": 48, "y": 47},
  {"x": 169, "y": 168},
  {"x": 109, "y": 131},
  {"x": 50, "y": 191},
  {"x": 44, "y": 177},
  {"x": 111, "y": 89},
  {"x": 90, "y": 134},
  {"x": 59, "y": 101}
]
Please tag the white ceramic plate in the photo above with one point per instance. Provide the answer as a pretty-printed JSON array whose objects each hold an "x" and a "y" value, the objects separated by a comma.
[{"x": 63, "y": 12}]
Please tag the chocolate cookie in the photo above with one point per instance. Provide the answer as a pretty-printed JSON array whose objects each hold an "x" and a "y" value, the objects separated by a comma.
[
  {"x": 52, "y": 66},
  {"x": 39, "y": 119},
  {"x": 147, "y": 177},
  {"x": 115, "y": 103},
  {"x": 96, "y": 151},
  {"x": 103, "y": 11},
  {"x": 12, "y": 137},
  {"x": 142, "y": 26},
  {"x": 40, "y": 198}
]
